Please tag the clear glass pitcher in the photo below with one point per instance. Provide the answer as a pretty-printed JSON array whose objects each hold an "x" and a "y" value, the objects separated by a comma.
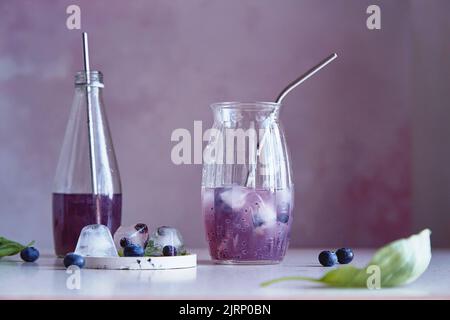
[
  {"x": 78, "y": 200},
  {"x": 247, "y": 189}
]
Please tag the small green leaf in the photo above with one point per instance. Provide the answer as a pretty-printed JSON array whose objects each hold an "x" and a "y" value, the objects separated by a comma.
[
  {"x": 10, "y": 248},
  {"x": 400, "y": 262},
  {"x": 151, "y": 250}
]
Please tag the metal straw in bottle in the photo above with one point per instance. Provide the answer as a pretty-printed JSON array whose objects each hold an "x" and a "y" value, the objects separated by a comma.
[{"x": 93, "y": 165}]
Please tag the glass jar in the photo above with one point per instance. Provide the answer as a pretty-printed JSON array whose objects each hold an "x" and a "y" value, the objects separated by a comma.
[
  {"x": 247, "y": 189},
  {"x": 78, "y": 199}
]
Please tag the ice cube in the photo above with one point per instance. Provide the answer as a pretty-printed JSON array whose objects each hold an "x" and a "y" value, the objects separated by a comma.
[
  {"x": 135, "y": 234},
  {"x": 234, "y": 197},
  {"x": 263, "y": 209},
  {"x": 95, "y": 240},
  {"x": 165, "y": 236},
  {"x": 219, "y": 205},
  {"x": 267, "y": 213}
]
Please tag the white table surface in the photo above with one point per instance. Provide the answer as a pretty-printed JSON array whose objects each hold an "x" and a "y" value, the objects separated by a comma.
[{"x": 46, "y": 279}]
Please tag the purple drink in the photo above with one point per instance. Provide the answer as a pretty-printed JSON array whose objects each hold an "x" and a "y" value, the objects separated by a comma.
[
  {"x": 245, "y": 225},
  {"x": 71, "y": 212}
]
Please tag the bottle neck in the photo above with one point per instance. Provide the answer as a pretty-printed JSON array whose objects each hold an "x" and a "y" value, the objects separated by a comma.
[
  {"x": 93, "y": 79},
  {"x": 89, "y": 85},
  {"x": 92, "y": 91}
]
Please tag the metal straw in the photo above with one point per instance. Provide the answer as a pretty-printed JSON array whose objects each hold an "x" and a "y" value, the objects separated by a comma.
[
  {"x": 87, "y": 71},
  {"x": 304, "y": 77},
  {"x": 282, "y": 95}
]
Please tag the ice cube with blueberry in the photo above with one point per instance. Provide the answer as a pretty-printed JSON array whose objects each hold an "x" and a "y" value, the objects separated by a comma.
[
  {"x": 165, "y": 237},
  {"x": 261, "y": 205},
  {"x": 95, "y": 240},
  {"x": 126, "y": 235},
  {"x": 284, "y": 200}
]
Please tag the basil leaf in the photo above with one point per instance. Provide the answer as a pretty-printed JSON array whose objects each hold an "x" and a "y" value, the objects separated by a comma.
[
  {"x": 151, "y": 250},
  {"x": 10, "y": 248},
  {"x": 400, "y": 262}
]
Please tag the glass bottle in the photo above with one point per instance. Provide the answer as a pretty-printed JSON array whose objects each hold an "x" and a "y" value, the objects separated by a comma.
[
  {"x": 247, "y": 189},
  {"x": 77, "y": 199}
]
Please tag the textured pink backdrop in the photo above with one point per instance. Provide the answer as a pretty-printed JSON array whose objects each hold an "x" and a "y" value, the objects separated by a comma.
[{"x": 349, "y": 128}]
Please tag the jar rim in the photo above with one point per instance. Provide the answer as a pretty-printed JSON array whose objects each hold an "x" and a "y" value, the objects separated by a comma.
[{"x": 249, "y": 105}]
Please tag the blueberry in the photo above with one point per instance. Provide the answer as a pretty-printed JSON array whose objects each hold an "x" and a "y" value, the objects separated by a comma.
[
  {"x": 73, "y": 259},
  {"x": 29, "y": 254},
  {"x": 141, "y": 227},
  {"x": 257, "y": 221},
  {"x": 133, "y": 250},
  {"x": 125, "y": 242},
  {"x": 221, "y": 207},
  {"x": 327, "y": 258},
  {"x": 283, "y": 218},
  {"x": 344, "y": 255},
  {"x": 169, "y": 251}
]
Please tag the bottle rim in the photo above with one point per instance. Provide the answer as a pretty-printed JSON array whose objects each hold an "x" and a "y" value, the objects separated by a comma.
[{"x": 95, "y": 77}]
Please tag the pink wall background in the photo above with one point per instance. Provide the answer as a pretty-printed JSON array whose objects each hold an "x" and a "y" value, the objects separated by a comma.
[{"x": 368, "y": 135}]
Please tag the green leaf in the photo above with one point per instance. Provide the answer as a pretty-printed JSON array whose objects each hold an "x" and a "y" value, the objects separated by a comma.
[
  {"x": 400, "y": 262},
  {"x": 151, "y": 250},
  {"x": 10, "y": 248}
]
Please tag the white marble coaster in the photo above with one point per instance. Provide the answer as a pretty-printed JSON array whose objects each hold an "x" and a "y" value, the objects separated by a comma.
[{"x": 141, "y": 263}]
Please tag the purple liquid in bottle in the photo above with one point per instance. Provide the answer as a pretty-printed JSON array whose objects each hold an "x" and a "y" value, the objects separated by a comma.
[
  {"x": 71, "y": 212},
  {"x": 245, "y": 225}
]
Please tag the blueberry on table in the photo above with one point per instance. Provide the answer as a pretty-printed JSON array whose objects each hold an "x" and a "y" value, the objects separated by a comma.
[
  {"x": 124, "y": 242},
  {"x": 344, "y": 255},
  {"x": 73, "y": 259},
  {"x": 327, "y": 258},
  {"x": 169, "y": 251},
  {"x": 133, "y": 250},
  {"x": 29, "y": 254}
]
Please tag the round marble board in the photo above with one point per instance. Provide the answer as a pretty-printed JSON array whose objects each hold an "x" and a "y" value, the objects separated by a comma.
[{"x": 141, "y": 263}]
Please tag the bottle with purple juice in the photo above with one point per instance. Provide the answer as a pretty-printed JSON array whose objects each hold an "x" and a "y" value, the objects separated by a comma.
[
  {"x": 247, "y": 190},
  {"x": 75, "y": 204}
]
